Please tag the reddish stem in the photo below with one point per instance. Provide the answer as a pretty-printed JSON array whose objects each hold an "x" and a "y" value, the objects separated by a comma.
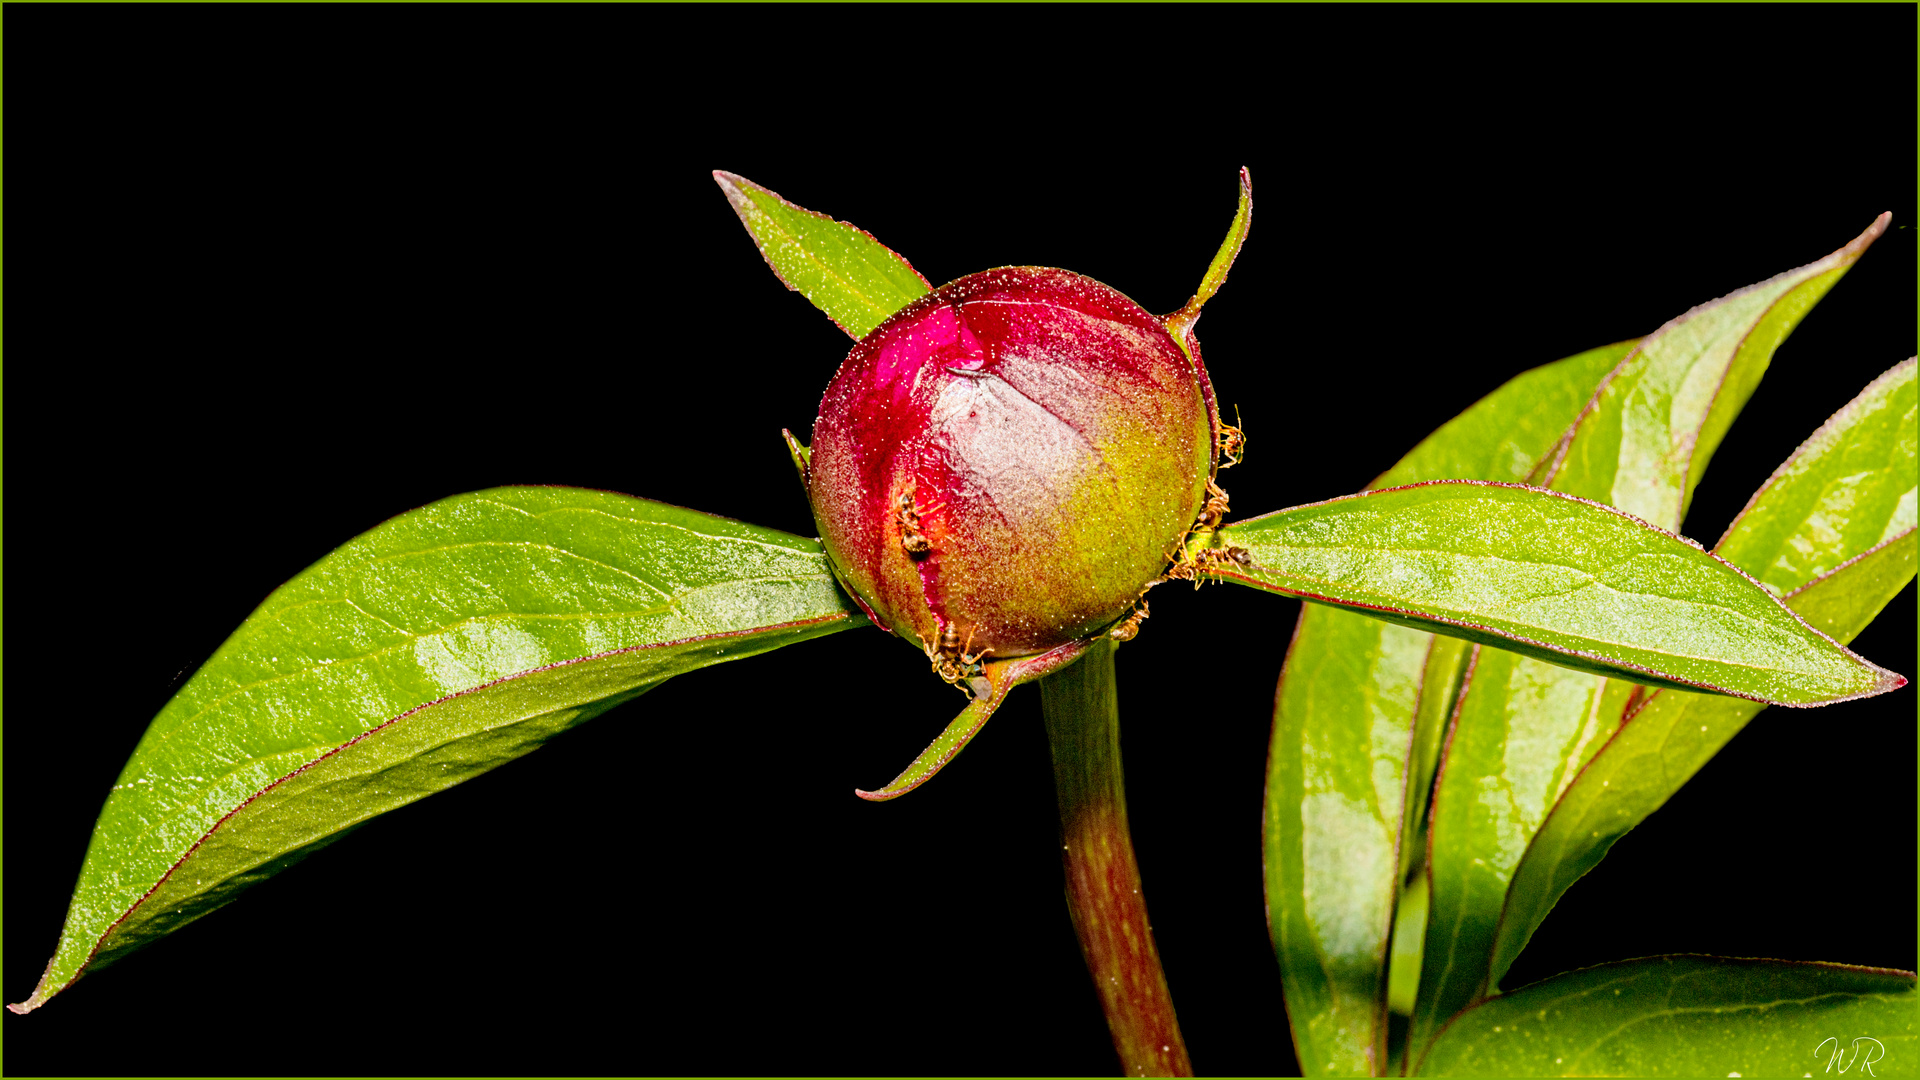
[{"x": 1103, "y": 880}]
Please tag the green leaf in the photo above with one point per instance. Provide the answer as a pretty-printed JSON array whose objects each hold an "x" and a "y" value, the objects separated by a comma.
[
  {"x": 1347, "y": 682},
  {"x": 1505, "y": 434},
  {"x": 1849, "y": 488},
  {"x": 1834, "y": 525},
  {"x": 1844, "y": 602},
  {"x": 439, "y": 645},
  {"x": 1642, "y": 445},
  {"x": 1690, "y": 1016},
  {"x": 1657, "y": 749},
  {"x": 802, "y": 456},
  {"x": 1336, "y": 783},
  {"x": 1440, "y": 686},
  {"x": 1409, "y": 933},
  {"x": 988, "y": 690},
  {"x": 1517, "y": 742},
  {"x": 1644, "y": 442},
  {"x": 1551, "y": 576},
  {"x": 1180, "y": 323},
  {"x": 1467, "y": 556},
  {"x": 842, "y": 270}
]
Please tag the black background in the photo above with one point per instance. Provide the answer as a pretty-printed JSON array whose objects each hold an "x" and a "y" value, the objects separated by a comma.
[{"x": 280, "y": 274}]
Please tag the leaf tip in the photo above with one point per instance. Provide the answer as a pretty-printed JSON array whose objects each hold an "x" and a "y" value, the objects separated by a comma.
[
  {"x": 34, "y": 1001},
  {"x": 988, "y": 690},
  {"x": 734, "y": 187},
  {"x": 802, "y": 457},
  {"x": 1180, "y": 323},
  {"x": 1884, "y": 681},
  {"x": 1860, "y": 243},
  {"x": 40, "y": 992}
]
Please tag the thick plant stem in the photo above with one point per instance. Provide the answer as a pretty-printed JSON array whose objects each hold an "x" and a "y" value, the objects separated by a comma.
[{"x": 1103, "y": 881}]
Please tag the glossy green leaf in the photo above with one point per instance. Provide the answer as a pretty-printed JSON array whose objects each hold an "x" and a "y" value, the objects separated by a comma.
[
  {"x": 1521, "y": 732},
  {"x": 1440, "y": 685},
  {"x": 1336, "y": 782},
  {"x": 1691, "y": 1016},
  {"x": 1352, "y": 678},
  {"x": 1657, "y": 749},
  {"x": 439, "y": 645},
  {"x": 1644, "y": 442},
  {"x": 1835, "y": 527},
  {"x": 842, "y": 270},
  {"x": 1642, "y": 445},
  {"x": 1551, "y": 576},
  {"x": 1849, "y": 488},
  {"x": 1844, "y": 602}
]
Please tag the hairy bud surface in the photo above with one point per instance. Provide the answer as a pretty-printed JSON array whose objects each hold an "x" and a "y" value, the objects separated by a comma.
[{"x": 1003, "y": 465}]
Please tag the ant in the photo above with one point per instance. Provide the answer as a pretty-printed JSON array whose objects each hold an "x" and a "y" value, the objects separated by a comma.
[
  {"x": 908, "y": 517},
  {"x": 1185, "y": 567},
  {"x": 1238, "y": 556},
  {"x": 1233, "y": 442},
  {"x": 1195, "y": 566},
  {"x": 1214, "y": 511},
  {"x": 951, "y": 660},
  {"x": 1131, "y": 626}
]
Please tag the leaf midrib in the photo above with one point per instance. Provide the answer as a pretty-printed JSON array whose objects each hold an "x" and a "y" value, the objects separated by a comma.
[
  {"x": 807, "y": 253},
  {"x": 415, "y": 635},
  {"x": 1592, "y": 581}
]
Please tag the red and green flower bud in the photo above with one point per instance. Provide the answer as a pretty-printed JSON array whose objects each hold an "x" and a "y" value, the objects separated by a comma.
[{"x": 1003, "y": 465}]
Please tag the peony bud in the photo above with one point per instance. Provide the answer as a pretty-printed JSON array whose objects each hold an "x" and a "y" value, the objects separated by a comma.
[{"x": 1004, "y": 465}]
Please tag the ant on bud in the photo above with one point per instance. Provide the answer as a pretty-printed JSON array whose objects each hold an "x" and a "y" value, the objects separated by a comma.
[{"x": 953, "y": 663}]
